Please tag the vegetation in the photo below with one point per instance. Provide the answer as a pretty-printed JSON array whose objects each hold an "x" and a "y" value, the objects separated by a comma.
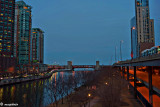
[{"x": 81, "y": 88}]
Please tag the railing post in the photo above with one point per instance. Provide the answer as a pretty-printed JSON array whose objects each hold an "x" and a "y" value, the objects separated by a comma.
[
  {"x": 120, "y": 68},
  {"x": 123, "y": 71},
  {"x": 135, "y": 84},
  {"x": 149, "y": 69},
  {"x": 127, "y": 73}
]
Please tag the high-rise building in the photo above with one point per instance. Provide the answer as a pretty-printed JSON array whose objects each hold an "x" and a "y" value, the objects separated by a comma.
[
  {"x": 144, "y": 28},
  {"x": 151, "y": 26},
  {"x": 37, "y": 45},
  {"x": 7, "y": 11},
  {"x": 22, "y": 34}
]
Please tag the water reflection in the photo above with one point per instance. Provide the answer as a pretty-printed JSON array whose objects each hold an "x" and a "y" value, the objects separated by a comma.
[{"x": 30, "y": 94}]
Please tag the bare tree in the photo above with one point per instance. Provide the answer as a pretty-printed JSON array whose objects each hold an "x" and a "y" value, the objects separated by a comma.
[
  {"x": 53, "y": 91},
  {"x": 63, "y": 89},
  {"x": 109, "y": 90}
]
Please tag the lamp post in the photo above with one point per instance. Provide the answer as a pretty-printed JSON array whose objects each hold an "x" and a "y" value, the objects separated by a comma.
[
  {"x": 89, "y": 95},
  {"x": 121, "y": 49},
  {"x": 115, "y": 53},
  {"x": 133, "y": 28}
]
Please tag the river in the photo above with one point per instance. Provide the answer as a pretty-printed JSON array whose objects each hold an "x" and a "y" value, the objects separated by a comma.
[{"x": 30, "y": 94}]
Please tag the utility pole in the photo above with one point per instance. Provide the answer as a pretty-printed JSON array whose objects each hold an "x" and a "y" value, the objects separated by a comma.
[
  {"x": 111, "y": 60},
  {"x": 121, "y": 49},
  {"x": 115, "y": 53}
]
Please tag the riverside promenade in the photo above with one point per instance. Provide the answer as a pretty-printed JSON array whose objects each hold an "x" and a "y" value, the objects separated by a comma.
[
  {"x": 16, "y": 80},
  {"x": 107, "y": 89}
]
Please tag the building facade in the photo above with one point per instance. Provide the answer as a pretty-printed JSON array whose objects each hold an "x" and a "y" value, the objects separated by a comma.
[
  {"x": 7, "y": 12},
  {"x": 144, "y": 28},
  {"x": 37, "y": 46},
  {"x": 22, "y": 34}
]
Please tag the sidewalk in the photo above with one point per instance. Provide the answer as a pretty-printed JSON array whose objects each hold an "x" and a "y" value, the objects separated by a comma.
[{"x": 128, "y": 100}]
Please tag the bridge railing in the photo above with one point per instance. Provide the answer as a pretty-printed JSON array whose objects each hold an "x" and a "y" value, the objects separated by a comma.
[{"x": 140, "y": 59}]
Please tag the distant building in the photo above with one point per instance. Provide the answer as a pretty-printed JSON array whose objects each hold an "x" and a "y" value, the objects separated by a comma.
[
  {"x": 22, "y": 34},
  {"x": 143, "y": 34},
  {"x": 7, "y": 8},
  {"x": 37, "y": 46}
]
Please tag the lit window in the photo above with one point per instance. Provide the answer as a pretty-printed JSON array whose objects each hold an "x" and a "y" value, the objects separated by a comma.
[{"x": 25, "y": 7}]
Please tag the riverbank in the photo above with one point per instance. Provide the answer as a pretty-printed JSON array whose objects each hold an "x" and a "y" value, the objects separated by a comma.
[
  {"x": 66, "y": 101},
  {"x": 127, "y": 98},
  {"x": 17, "y": 80}
]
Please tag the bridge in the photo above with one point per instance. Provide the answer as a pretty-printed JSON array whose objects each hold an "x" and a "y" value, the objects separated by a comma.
[
  {"x": 72, "y": 67},
  {"x": 83, "y": 66},
  {"x": 130, "y": 70},
  {"x": 153, "y": 60}
]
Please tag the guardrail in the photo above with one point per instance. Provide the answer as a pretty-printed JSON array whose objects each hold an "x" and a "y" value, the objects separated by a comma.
[
  {"x": 140, "y": 59},
  {"x": 142, "y": 98},
  {"x": 155, "y": 90}
]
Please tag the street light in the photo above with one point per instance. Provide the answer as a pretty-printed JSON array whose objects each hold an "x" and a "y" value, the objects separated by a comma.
[
  {"x": 120, "y": 49},
  {"x": 115, "y": 53},
  {"x": 89, "y": 95},
  {"x": 133, "y": 28}
]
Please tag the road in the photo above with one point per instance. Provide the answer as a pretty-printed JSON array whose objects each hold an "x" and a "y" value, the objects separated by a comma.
[{"x": 144, "y": 90}]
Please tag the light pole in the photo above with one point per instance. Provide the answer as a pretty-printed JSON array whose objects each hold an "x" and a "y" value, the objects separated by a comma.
[
  {"x": 115, "y": 53},
  {"x": 89, "y": 95},
  {"x": 121, "y": 49},
  {"x": 133, "y": 28}
]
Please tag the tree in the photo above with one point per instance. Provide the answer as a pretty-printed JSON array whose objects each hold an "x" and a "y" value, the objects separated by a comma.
[{"x": 53, "y": 91}]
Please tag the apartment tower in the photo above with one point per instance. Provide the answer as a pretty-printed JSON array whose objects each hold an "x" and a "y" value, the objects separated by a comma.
[
  {"x": 22, "y": 34},
  {"x": 7, "y": 12},
  {"x": 37, "y": 46},
  {"x": 142, "y": 28}
]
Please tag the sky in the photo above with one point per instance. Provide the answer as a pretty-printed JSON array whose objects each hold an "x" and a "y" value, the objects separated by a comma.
[{"x": 86, "y": 31}]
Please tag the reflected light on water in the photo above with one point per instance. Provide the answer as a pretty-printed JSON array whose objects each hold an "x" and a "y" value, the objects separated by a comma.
[
  {"x": 62, "y": 73},
  {"x": 13, "y": 91},
  {"x": 73, "y": 73},
  {"x": 27, "y": 85},
  {"x": 1, "y": 93}
]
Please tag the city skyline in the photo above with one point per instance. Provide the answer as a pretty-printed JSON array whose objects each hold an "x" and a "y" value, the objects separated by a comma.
[
  {"x": 62, "y": 44},
  {"x": 58, "y": 53}
]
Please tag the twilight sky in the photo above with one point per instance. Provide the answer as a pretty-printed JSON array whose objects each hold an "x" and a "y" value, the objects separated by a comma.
[{"x": 84, "y": 31}]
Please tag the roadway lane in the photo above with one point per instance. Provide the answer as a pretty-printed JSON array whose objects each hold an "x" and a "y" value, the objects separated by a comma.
[
  {"x": 144, "y": 90},
  {"x": 144, "y": 76}
]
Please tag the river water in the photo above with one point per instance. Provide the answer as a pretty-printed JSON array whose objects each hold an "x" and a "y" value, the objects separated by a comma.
[{"x": 29, "y": 94}]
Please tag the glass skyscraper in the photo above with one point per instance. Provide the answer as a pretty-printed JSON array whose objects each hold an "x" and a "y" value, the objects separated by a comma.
[{"x": 22, "y": 34}]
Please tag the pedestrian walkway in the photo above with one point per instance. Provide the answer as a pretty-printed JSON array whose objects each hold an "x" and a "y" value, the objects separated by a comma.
[{"x": 127, "y": 100}]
